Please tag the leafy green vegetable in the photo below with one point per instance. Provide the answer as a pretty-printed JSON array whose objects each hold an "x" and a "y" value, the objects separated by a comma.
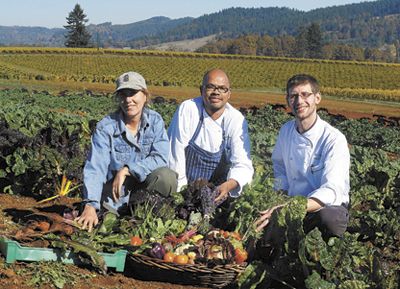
[
  {"x": 54, "y": 274},
  {"x": 253, "y": 275},
  {"x": 109, "y": 221},
  {"x": 84, "y": 252},
  {"x": 315, "y": 281}
]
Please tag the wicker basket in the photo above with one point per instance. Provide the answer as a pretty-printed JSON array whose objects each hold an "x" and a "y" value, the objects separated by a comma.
[{"x": 153, "y": 269}]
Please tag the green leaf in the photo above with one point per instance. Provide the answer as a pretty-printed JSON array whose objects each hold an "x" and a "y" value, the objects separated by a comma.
[
  {"x": 353, "y": 284},
  {"x": 59, "y": 283},
  {"x": 89, "y": 254},
  {"x": 115, "y": 239},
  {"x": 317, "y": 250},
  {"x": 315, "y": 281},
  {"x": 109, "y": 221},
  {"x": 252, "y": 276}
]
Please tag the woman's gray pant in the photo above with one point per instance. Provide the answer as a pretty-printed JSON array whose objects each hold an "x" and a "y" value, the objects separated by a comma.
[{"x": 162, "y": 181}]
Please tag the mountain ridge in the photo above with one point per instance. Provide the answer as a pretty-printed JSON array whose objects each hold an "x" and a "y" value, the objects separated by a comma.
[{"x": 367, "y": 24}]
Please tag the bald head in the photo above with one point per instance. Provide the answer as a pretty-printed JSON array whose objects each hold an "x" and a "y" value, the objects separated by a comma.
[
  {"x": 215, "y": 73},
  {"x": 216, "y": 92}
]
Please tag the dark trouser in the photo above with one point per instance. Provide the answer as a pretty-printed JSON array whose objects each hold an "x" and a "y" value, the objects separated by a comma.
[
  {"x": 161, "y": 181},
  {"x": 331, "y": 221}
]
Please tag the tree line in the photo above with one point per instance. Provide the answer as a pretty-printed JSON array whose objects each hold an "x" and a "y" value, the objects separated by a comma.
[{"x": 308, "y": 43}]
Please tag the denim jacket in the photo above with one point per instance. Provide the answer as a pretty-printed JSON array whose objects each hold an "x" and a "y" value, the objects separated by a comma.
[{"x": 114, "y": 147}]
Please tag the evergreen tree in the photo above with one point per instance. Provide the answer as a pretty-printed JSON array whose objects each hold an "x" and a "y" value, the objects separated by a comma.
[
  {"x": 77, "y": 35},
  {"x": 301, "y": 43},
  {"x": 314, "y": 41}
]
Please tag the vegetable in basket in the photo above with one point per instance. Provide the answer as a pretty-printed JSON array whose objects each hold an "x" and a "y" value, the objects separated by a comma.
[{"x": 157, "y": 251}]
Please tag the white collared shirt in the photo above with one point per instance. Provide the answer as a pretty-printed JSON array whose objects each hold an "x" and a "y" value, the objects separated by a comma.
[
  {"x": 313, "y": 164},
  {"x": 183, "y": 126}
]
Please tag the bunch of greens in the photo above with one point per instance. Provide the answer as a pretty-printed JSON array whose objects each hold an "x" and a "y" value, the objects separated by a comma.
[{"x": 54, "y": 274}]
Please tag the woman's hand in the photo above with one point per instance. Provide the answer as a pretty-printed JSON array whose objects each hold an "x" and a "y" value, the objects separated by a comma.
[
  {"x": 88, "y": 219},
  {"x": 119, "y": 180},
  {"x": 263, "y": 221}
]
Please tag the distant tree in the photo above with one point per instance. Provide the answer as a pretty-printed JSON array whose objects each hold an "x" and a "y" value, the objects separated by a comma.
[
  {"x": 388, "y": 52},
  {"x": 266, "y": 46},
  {"x": 396, "y": 44},
  {"x": 314, "y": 41},
  {"x": 288, "y": 44},
  {"x": 301, "y": 43},
  {"x": 347, "y": 52},
  {"x": 77, "y": 35},
  {"x": 248, "y": 45},
  {"x": 328, "y": 51},
  {"x": 373, "y": 54}
]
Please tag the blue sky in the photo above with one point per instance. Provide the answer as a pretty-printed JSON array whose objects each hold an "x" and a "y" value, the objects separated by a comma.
[{"x": 52, "y": 13}]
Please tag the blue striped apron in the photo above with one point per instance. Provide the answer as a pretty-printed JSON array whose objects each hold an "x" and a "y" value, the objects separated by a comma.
[{"x": 203, "y": 164}]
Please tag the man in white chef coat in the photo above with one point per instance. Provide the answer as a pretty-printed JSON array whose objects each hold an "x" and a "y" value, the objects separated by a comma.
[
  {"x": 311, "y": 158},
  {"x": 209, "y": 139}
]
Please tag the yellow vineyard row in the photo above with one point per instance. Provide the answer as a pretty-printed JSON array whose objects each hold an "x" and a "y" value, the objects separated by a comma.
[{"x": 348, "y": 79}]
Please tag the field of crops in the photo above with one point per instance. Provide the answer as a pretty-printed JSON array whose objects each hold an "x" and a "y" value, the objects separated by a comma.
[
  {"x": 43, "y": 137},
  {"x": 378, "y": 81}
]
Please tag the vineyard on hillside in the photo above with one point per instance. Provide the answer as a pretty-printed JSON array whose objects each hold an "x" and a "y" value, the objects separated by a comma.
[
  {"x": 44, "y": 137},
  {"x": 362, "y": 80}
]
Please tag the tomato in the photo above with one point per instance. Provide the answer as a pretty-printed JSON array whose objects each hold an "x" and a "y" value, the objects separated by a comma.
[
  {"x": 169, "y": 257},
  {"x": 240, "y": 255},
  {"x": 136, "y": 241},
  {"x": 181, "y": 259}
]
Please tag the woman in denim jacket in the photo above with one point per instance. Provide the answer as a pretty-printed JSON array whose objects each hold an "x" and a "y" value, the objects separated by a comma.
[{"x": 129, "y": 151}]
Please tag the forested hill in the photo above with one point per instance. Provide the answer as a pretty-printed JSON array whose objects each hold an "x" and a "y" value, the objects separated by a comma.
[
  {"x": 26, "y": 35},
  {"x": 107, "y": 34},
  {"x": 368, "y": 24}
]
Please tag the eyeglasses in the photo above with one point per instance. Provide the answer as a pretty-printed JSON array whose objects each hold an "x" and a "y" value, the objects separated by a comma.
[
  {"x": 221, "y": 89},
  {"x": 304, "y": 95}
]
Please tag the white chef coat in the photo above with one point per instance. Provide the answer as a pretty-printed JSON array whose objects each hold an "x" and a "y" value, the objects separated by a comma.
[
  {"x": 313, "y": 164},
  {"x": 183, "y": 126}
]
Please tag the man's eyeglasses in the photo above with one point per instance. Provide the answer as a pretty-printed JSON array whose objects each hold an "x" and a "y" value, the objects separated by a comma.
[
  {"x": 304, "y": 95},
  {"x": 221, "y": 89}
]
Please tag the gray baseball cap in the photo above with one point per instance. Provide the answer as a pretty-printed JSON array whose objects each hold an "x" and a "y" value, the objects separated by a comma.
[{"x": 132, "y": 80}]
